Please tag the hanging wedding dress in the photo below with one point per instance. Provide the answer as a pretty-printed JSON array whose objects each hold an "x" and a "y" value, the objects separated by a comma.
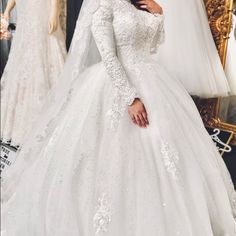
[
  {"x": 88, "y": 170},
  {"x": 34, "y": 64},
  {"x": 189, "y": 52},
  {"x": 230, "y": 64}
]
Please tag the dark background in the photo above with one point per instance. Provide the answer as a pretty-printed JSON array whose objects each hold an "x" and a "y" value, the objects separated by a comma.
[{"x": 73, "y": 8}]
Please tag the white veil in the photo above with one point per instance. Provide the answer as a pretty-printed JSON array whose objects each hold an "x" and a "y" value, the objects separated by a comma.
[
  {"x": 189, "y": 51},
  {"x": 83, "y": 53}
]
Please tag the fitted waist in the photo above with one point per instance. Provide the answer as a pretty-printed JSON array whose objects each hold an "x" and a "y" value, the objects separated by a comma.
[{"x": 133, "y": 55}]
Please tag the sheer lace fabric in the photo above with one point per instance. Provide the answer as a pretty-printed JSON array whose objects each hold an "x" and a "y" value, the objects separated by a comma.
[{"x": 89, "y": 179}]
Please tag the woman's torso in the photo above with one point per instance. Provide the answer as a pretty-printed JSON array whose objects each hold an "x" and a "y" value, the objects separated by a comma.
[{"x": 134, "y": 31}]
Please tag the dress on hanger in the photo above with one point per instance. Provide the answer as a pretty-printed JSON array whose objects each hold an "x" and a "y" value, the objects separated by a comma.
[{"x": 35, "y": 62}]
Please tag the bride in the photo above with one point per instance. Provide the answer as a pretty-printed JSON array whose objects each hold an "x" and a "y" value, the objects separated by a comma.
[{"x": 122, "y": 149}]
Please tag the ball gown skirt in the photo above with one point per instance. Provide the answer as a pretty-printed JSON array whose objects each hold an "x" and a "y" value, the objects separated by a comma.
[{"x": 93, "y": 179}]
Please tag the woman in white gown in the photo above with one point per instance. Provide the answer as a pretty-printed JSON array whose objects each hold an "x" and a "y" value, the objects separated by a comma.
[
  {"x": 33, "y": 68},
  {"x": 87, "y": 169},
  {"x": 189, "y": 52}
]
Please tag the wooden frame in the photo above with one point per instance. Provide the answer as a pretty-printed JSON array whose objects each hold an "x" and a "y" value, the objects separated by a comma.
[{"x": 220, "y": 20}]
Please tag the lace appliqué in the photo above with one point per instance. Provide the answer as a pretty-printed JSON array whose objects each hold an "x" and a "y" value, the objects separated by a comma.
[
  {"x": 171, "y": 159},
  {"x": 119, "y": 105},
  {"x": 102, "y": 217},
  {"x": 123, "y": 95}
]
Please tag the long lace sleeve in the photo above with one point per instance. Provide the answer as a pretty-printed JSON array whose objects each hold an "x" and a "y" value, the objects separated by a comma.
[
  {"x": 102, "y": 29},
  {"x": 159, "y": 37}
]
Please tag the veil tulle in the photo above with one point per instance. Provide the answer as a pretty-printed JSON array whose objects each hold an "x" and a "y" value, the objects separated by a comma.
[
  {"x": 189, "y": 52},
  {"x": 82, "y": 54}
]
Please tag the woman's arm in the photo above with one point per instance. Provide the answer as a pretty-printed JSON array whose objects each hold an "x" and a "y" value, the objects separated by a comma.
[
  {"x": 126, "y": 96},
  {"x": 54, "y": 16},
  {"x": 154, "y": 8},
  {"x": 159, "y": 37},
  {"x": 10, "y": 5},
  {"x": 102, "y": 29}
]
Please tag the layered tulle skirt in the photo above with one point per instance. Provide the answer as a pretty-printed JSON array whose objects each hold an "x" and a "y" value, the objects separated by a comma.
[{"x": 90, "y": 179}]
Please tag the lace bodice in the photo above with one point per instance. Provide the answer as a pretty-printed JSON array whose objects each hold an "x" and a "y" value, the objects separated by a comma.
[
  {"x": 124, "y": 36},
  {"x": 137, "y": 33}
]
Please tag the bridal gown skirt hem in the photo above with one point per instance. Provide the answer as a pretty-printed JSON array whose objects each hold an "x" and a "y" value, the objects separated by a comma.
[{"x": 91, "y": 179}]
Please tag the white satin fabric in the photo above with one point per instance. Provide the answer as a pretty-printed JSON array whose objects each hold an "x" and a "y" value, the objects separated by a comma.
[
  {"x": 90, "y": 171},
  {"x": 33, "y": 68},
  {"x": 189, "y": 52}
]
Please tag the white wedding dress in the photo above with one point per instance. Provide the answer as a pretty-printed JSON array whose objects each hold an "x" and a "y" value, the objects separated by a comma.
[
  {"x": 189, "y": 52},
  {"x": 91, "y": 171},
  {"x": 33, "y": 68}
]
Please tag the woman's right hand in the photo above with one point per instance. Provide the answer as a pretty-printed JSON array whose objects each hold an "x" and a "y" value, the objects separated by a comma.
[{"x": 138, "y": 113}]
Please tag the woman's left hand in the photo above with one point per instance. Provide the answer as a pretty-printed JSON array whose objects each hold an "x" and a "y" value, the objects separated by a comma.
[
  {"x": 151, "y": 6},
  {"x": 138, "y": 113}
]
